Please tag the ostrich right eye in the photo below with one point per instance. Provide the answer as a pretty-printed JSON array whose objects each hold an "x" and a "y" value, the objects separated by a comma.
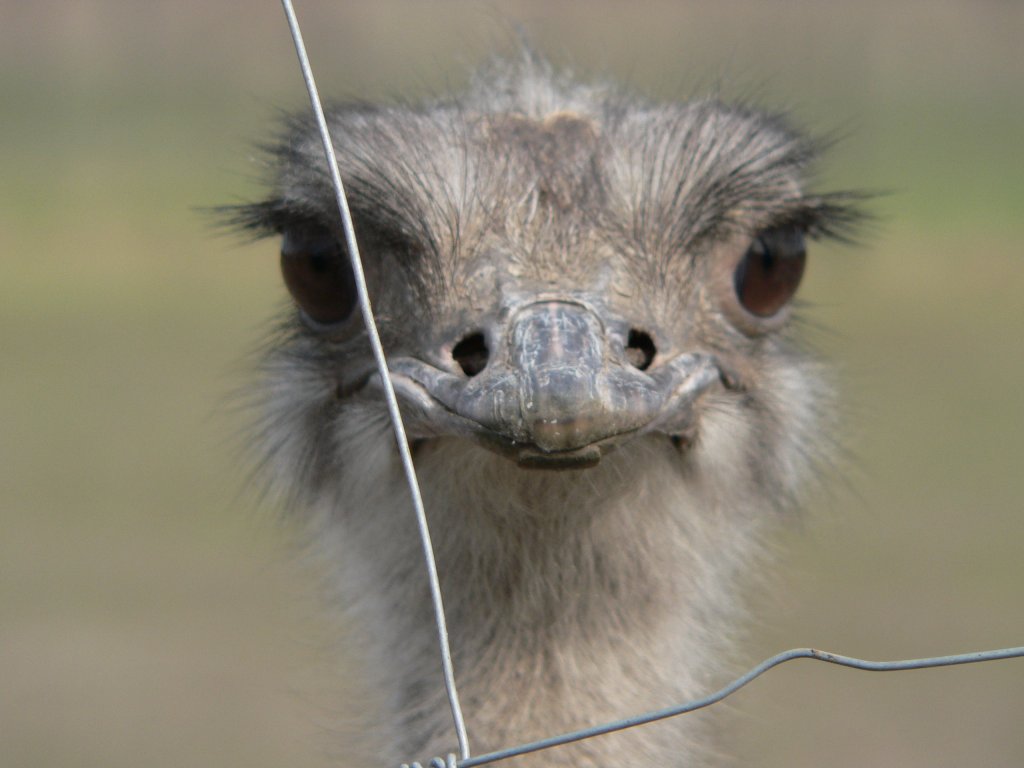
[{"x": 318, "y": 275}]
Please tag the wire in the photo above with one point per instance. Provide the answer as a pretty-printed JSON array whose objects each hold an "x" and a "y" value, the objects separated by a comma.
[
  {"x": 382, "y": 368},
  {"x": 735, "y": 685}
]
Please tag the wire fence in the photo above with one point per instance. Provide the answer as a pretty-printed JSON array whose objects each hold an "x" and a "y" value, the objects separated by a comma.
[{"x": 465, "y": 759}]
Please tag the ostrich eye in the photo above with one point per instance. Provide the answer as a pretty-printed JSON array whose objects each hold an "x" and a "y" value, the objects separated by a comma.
[
  {"x": 317, "y": 273},
  {"x": 769, "y": 272}
]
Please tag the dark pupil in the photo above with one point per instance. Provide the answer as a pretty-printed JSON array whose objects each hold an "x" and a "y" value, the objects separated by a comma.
[
  {"x": 317, "y": 274},
  {"x": 321, "y": 263},
  {"x": 769, "y": 273}
]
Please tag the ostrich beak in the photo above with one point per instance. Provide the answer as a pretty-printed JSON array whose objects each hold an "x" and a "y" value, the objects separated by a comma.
[{"x": 557, "y": 392}]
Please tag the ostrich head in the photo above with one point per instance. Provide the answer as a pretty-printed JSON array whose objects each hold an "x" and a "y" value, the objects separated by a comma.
[{"x": 585, "y": 299}]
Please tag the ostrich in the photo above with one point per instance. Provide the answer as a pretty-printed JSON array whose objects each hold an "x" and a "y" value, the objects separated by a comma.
[{"x": 586, "y": 300}]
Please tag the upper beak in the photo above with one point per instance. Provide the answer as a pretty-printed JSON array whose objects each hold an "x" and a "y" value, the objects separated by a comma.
[{"x": 557, "y": 391}]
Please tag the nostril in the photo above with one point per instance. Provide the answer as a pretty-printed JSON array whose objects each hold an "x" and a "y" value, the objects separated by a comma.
[
  {"x": 471, "y": 354},
  {"x": 640, "y": 350}
]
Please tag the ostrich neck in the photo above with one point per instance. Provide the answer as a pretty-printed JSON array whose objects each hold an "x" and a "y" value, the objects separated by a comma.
[{"x": 569, "y": 603}]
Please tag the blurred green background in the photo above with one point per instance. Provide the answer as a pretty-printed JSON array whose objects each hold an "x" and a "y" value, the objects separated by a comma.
[{"x": 149, "y": 617}]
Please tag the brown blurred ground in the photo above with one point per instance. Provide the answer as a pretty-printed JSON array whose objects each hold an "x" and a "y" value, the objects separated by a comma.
[{"x": 148, "y": 617}]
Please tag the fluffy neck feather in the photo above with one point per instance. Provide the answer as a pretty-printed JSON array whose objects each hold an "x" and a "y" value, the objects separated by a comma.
[{"x": 572, "y": 597}]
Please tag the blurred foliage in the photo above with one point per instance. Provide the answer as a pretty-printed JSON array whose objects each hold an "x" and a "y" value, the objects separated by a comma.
[{"x": 145, "y": 614}]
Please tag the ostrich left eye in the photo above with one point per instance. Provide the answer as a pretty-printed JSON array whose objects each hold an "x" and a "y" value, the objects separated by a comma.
[
  {"x": 769, "y": 273},
  {"x": 317, "y": 273}
]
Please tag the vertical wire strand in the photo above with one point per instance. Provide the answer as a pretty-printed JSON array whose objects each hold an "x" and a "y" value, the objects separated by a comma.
[{"x": 389, "y": 391}]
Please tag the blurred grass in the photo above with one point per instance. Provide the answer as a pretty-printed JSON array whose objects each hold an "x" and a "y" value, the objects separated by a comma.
[{"x": 145, "y": 613}]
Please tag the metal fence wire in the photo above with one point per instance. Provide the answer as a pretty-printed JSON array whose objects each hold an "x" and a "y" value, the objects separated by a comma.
[{"x": 465, "y": 759}]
